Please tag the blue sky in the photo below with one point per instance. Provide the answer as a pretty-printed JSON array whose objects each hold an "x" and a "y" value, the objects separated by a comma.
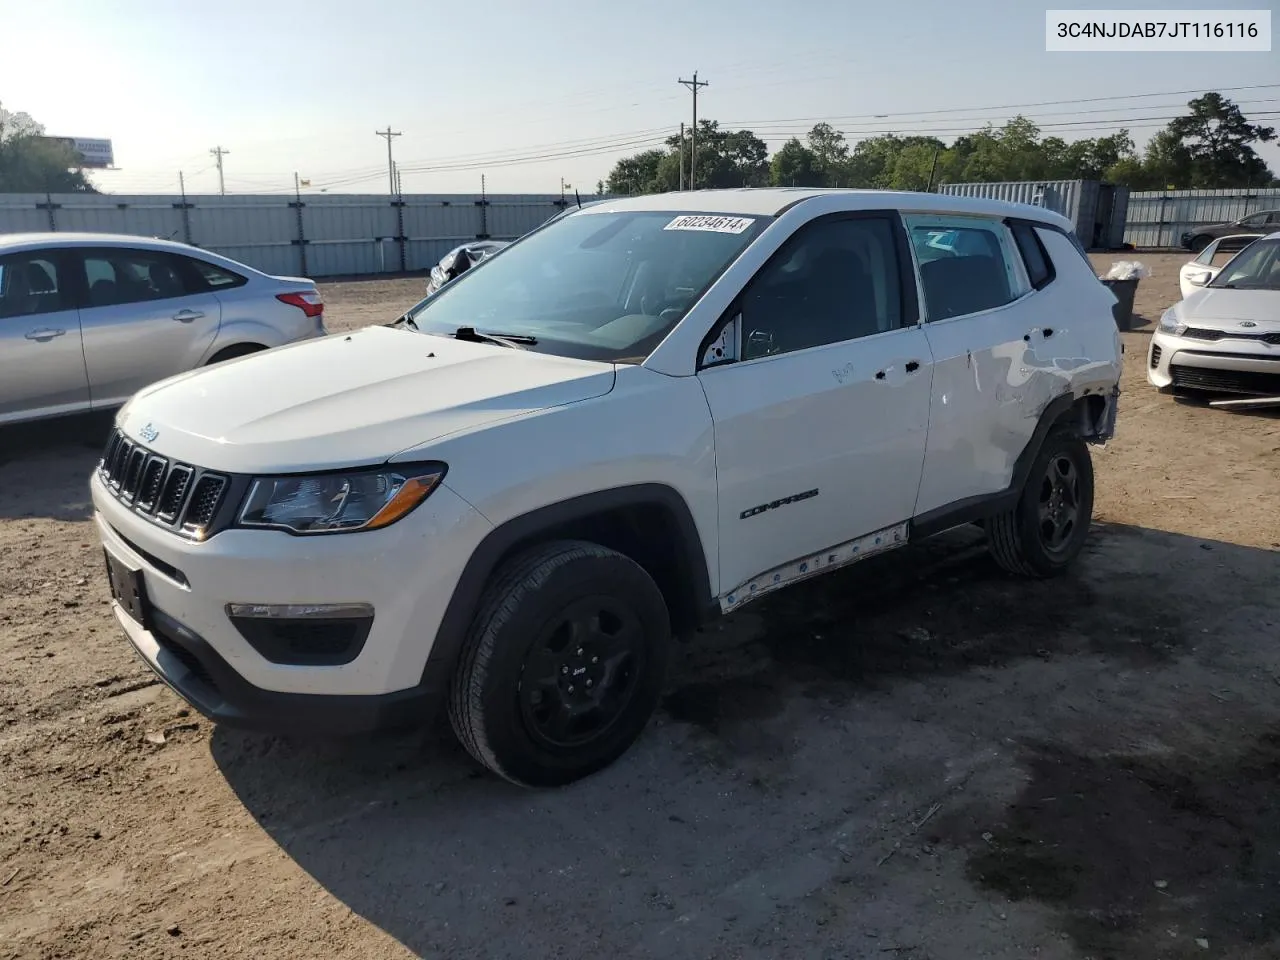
[{"x": 288, "y": 85}]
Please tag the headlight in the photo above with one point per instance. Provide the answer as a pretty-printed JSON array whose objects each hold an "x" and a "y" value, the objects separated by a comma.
[
  {"x": 342, "y": 502},
  {"x": 1169, "y": 323}
]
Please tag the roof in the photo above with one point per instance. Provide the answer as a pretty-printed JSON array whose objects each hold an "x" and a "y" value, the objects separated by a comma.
[
  {"x": 20, "y": 240},
  {"x": 772, "y": 201}
]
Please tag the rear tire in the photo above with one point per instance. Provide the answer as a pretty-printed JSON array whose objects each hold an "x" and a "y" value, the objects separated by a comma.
[
  {"x": 1045, "y": 532},
  {"x": 563, "y": 665},
  {"x": 1199, "y": 243},
  {"x": 239, "y": 350}
]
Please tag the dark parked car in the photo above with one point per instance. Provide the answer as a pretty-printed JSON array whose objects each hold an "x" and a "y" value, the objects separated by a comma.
[
  {"x": 1258, "y": 224},
  {"x": 461, "y": 259}
]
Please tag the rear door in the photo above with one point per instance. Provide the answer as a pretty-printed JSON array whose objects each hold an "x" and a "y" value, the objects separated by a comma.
[
  {"x": 147, "y": 316},
  {"x": 42, "y": 370},
  {"x": 985, "y": 340}
]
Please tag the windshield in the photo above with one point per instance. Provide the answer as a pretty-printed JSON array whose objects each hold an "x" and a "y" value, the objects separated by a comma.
[
  {"x": 1257, "y": 267},
  {"x": 597, "y": 286}
]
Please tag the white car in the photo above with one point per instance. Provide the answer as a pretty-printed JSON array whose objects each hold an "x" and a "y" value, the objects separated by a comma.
[
  {"x": 1224, "y": 339},
  {"x": 643, "y": 414},
  {"x": 88, "y": 319},
  {"x": 1194, "y": 274}
]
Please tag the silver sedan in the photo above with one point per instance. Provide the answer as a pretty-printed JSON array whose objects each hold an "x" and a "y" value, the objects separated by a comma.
[{"x": 87, "y": 320}]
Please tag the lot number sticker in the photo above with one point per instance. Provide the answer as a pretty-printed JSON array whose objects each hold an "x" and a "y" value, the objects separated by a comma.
[{"x": 711, "y": 224}]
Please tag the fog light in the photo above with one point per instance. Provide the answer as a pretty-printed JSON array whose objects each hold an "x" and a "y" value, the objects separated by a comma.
[{"x": 304, "y": 634}]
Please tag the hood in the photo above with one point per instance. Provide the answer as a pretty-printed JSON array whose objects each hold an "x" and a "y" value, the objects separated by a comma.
[
  {"x": 348, "y": 400},
  {"x": 1223, "y": 309}
]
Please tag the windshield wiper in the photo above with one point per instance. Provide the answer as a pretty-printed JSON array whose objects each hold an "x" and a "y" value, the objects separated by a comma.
[{"x": 515, "y": 340}]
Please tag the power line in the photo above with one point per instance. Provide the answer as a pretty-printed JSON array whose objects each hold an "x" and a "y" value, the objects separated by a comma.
[
  {"x": 1007, "y": 106},
  {"x": 694, "y": 86}
]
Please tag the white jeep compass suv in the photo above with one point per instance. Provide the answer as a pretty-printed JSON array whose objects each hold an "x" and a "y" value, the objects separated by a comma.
[{"x": 644, "y": 413}]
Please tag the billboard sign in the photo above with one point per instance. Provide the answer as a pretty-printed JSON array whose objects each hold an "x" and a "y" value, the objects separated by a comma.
[{"x": 92, "y": 153}]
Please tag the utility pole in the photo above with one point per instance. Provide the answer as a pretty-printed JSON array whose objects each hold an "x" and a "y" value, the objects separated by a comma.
[
  {"x": 218, "y": 153},
  {"x": 695, "y": 84},
  {"x": 682, "y": 156},
  {"x": 391, "y": 169},
  {"x": 398, "y": 182}
]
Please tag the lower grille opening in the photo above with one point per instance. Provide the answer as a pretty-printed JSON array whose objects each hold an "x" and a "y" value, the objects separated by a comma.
[
  {"x": 1206, "y": 380},
  {"x": 185, "y": 657}
]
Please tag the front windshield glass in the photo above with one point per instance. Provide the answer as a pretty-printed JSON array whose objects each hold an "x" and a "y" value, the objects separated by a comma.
[
  {"x": 598, "y": 286},
  {"x": 1257, "y": 267}
]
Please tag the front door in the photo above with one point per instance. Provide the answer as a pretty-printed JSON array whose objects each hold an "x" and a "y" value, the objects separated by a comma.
[
  {"x": 821, "y": 410},
  {"x": 41, "y": 359},
  {"x": 145, "y": 318}
]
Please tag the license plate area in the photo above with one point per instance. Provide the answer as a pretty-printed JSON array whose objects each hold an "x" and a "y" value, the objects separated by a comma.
[{"x": 128, "y": 589}]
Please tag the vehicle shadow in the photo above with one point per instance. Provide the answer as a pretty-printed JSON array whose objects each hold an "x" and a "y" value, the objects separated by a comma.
[
  {"x": 45, "y": 466},
  {"x": 762, "y": 803}
]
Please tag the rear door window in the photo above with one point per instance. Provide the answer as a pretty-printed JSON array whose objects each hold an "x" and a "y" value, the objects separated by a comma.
[
  {"x": 119, "y": 276},
  {"x": 967, "y": 264}
]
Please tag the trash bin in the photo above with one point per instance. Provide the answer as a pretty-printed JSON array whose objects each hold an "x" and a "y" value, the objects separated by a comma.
[{"x": 1124, "y": 292}]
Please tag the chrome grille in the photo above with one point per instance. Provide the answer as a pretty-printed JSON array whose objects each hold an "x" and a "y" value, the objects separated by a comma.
[
  {"x": 175, "y": 493},
  {"x": 1203, "y": 333},
  {"x": 204, "y": 502},
  {"x": 179, "y": 496}
]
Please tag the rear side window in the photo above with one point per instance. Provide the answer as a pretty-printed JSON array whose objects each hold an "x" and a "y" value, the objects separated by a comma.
[
  {"x": 214, "y": 278},
  {"x": 967, "y": 264},
  {"x": 1034, "y": 256},
  {"x": 119, "y": 275}
]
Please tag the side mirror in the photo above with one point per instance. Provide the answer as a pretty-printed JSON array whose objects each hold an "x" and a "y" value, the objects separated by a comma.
[{"x": 1199, "y": 279}]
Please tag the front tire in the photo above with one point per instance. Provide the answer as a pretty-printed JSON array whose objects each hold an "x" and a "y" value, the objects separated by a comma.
[
  {"x": 1045, "y": 532},
  {"x": 563, "y": 665}
]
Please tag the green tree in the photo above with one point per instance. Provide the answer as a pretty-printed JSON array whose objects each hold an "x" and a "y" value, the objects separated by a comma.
[
  {"x": 1219, "y": 141},
  {"x": 636, "y": 174},
  {"x": 794, "y": 166},
  {"x": 30, "y": 163},
  {"x": 830, "y": 153}
]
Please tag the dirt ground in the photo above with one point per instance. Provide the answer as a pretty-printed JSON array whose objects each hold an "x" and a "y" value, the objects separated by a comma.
[{"x": 915, "y": 758}]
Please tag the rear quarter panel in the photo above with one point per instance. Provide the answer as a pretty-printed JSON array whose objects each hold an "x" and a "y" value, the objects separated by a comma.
[
  {"x": 252, "y": 314},
  {"x": 1086, "y": 346}
]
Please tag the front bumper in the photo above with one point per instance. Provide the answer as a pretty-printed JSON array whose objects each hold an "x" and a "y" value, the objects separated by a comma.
[
  {"x": 194, "y": 670},
  {"x": 1190, "y": 365},
  {"x": 406, "y": 572}
]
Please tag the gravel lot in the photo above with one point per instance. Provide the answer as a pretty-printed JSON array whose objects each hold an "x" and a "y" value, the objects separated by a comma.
[{"x": 916, "y": 758}]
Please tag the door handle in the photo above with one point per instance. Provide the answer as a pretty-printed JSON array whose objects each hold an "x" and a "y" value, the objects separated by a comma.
[
  {"x": 913, "y": 366},
  {"x": 45, "y": 334},
  {"x": 186, "y": 316}
]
